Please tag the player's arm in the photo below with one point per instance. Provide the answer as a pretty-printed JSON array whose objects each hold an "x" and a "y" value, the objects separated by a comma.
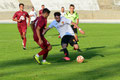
[
  {"x": 77, "y": 22},
  {"x": 49, "y": 27},
  {"x": 44, "y": 32},
  {"x": 15, "y": 18},
  {"x": 38, "y": 34},
  {"x": 76, "y": 26}
]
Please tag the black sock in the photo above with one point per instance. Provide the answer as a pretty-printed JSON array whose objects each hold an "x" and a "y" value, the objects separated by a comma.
[{"x": 66, "y": 52}]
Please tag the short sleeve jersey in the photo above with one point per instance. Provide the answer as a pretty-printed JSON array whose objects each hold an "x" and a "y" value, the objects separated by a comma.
[
  {"x": 63, "y": 26},
  {"x": 21, "y": 15},
  {"x": 72, "y": 17}
]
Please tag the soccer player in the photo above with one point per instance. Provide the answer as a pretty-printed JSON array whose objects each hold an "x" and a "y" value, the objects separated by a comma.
[
  {"x": 62, "y": 12},
  {"x": 33, "y": 16},
  {"x": 62, "y": 24},
  {"x": 39, "y": 26},
  {"x": 20, "y": 17},
  {"x": 73, "y": 15},
  {"x": 40, "y": 12}
]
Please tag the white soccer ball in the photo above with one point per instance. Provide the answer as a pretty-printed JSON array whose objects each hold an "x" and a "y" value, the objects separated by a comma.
[{"x": 80, "y": 59}]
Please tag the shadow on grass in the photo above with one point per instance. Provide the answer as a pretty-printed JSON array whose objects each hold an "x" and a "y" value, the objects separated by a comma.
[
  {"x": 105, "y": 72},
  {"x": 16, "y": 62},
  {"x": 95, "y": 48}
]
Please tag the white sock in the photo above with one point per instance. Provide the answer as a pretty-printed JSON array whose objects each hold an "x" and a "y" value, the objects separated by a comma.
[
  {"x": 43, "y": 60},
  {"x": 37, "y": 55}
]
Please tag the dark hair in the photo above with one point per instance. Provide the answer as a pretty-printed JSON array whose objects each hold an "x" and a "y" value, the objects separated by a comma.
[
  {"x": 72, "y": 5},
  {"x": 21, "y": 4},
  {"x": 57, "y": 14},
  {"x": 43, "y": 5},
  {"x": 45, "y": 10},
  {"x": 62, "y": 7}
]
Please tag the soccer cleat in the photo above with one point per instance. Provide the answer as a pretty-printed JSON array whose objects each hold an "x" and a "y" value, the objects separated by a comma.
[
  {"x": 24, "y": 48},
  {"x": 36, "y": 59},
  {"x": 67, "y": 58},
  {"x": 46, "y": 62}
]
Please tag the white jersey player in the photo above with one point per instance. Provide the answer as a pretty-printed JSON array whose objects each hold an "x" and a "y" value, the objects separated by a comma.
[{"x": 62, "y": 24}]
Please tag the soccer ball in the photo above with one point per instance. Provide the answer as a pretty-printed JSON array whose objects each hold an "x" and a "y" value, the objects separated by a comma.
[{"x": 80, "y": 59}]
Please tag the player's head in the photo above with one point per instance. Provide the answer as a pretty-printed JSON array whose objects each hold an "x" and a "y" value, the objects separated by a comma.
[
  {"x": 42, "y": 6},
  {"x": 57, "y": 16},
  {"x": 72, "y": 7},
  {"x": 32, "y": 8},
  {"x": 21, "y": 6},
  {"x": 46, "y": 12},
  {"x": 62, "y": 9}
]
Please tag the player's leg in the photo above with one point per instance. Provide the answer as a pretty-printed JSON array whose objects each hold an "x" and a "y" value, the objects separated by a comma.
[
  {"x": 73, "y": 43},
  {"x": 64, "y": 44},
  {"x": 21, "y": 34},
  {"x": 46, "y": 47},
  {"x": 24, "y": 40},
  {"x": 24, "y": 29},
  {"x": 45, "y": 55},
  {"x": 49, "y": 47}
]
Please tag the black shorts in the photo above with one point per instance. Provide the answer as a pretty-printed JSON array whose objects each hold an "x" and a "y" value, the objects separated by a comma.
[
  {"x": 74, "y": 29},
  {"x": 68, "y": 39}
]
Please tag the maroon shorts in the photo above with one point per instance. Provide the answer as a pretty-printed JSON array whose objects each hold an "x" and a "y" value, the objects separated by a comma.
[
  {"x": 45, "y": 43},
  {"x": 22, "y": 28}
]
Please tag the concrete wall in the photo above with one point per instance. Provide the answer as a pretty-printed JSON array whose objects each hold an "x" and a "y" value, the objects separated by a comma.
[{"x": 108, "y": 10}]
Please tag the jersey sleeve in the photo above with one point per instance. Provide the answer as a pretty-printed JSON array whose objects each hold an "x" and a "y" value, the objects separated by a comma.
[
  {"x": 15, "y": 15},
  {"x": 51, "y": 25}
]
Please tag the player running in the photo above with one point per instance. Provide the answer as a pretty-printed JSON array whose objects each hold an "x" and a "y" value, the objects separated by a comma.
[
  {"x": 73, "y": 15},
  {"x": 39, "y": 26},
  {"x": 62, "y": 24},
  {"x": 20, "y": 17}
]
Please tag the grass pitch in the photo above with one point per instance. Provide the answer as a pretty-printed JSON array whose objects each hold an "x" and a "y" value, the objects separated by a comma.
[{"x": 100, "y": 46}]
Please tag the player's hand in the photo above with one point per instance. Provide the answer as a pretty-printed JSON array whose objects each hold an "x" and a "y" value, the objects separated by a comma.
[
  {"x": 82, "y": 32},
  {"x": 28, "y": 24},
  {"x": 19, "y": 20},
  {"x": 75, "y": 26},
  {"x": 40, "y": 41},
  {"x": 43, "y": 32}
]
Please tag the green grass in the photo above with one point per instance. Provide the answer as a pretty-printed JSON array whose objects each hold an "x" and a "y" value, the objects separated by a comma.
[{"x": 100, "y": 46}]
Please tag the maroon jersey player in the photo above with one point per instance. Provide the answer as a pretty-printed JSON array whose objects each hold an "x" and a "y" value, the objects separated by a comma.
[
  {"x": 39, "y": 26},
  {"x": 20, "y": 17}
]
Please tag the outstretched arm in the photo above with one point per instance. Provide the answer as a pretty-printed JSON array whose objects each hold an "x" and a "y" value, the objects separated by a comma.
[
  {"x": 44, "y": 32},
  {"x": 76, "y": 26}
]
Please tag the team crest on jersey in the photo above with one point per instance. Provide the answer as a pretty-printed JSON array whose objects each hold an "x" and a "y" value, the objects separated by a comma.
[
  {"x": 62, "y": 22},
  {"x": 73, "y": 40}
]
